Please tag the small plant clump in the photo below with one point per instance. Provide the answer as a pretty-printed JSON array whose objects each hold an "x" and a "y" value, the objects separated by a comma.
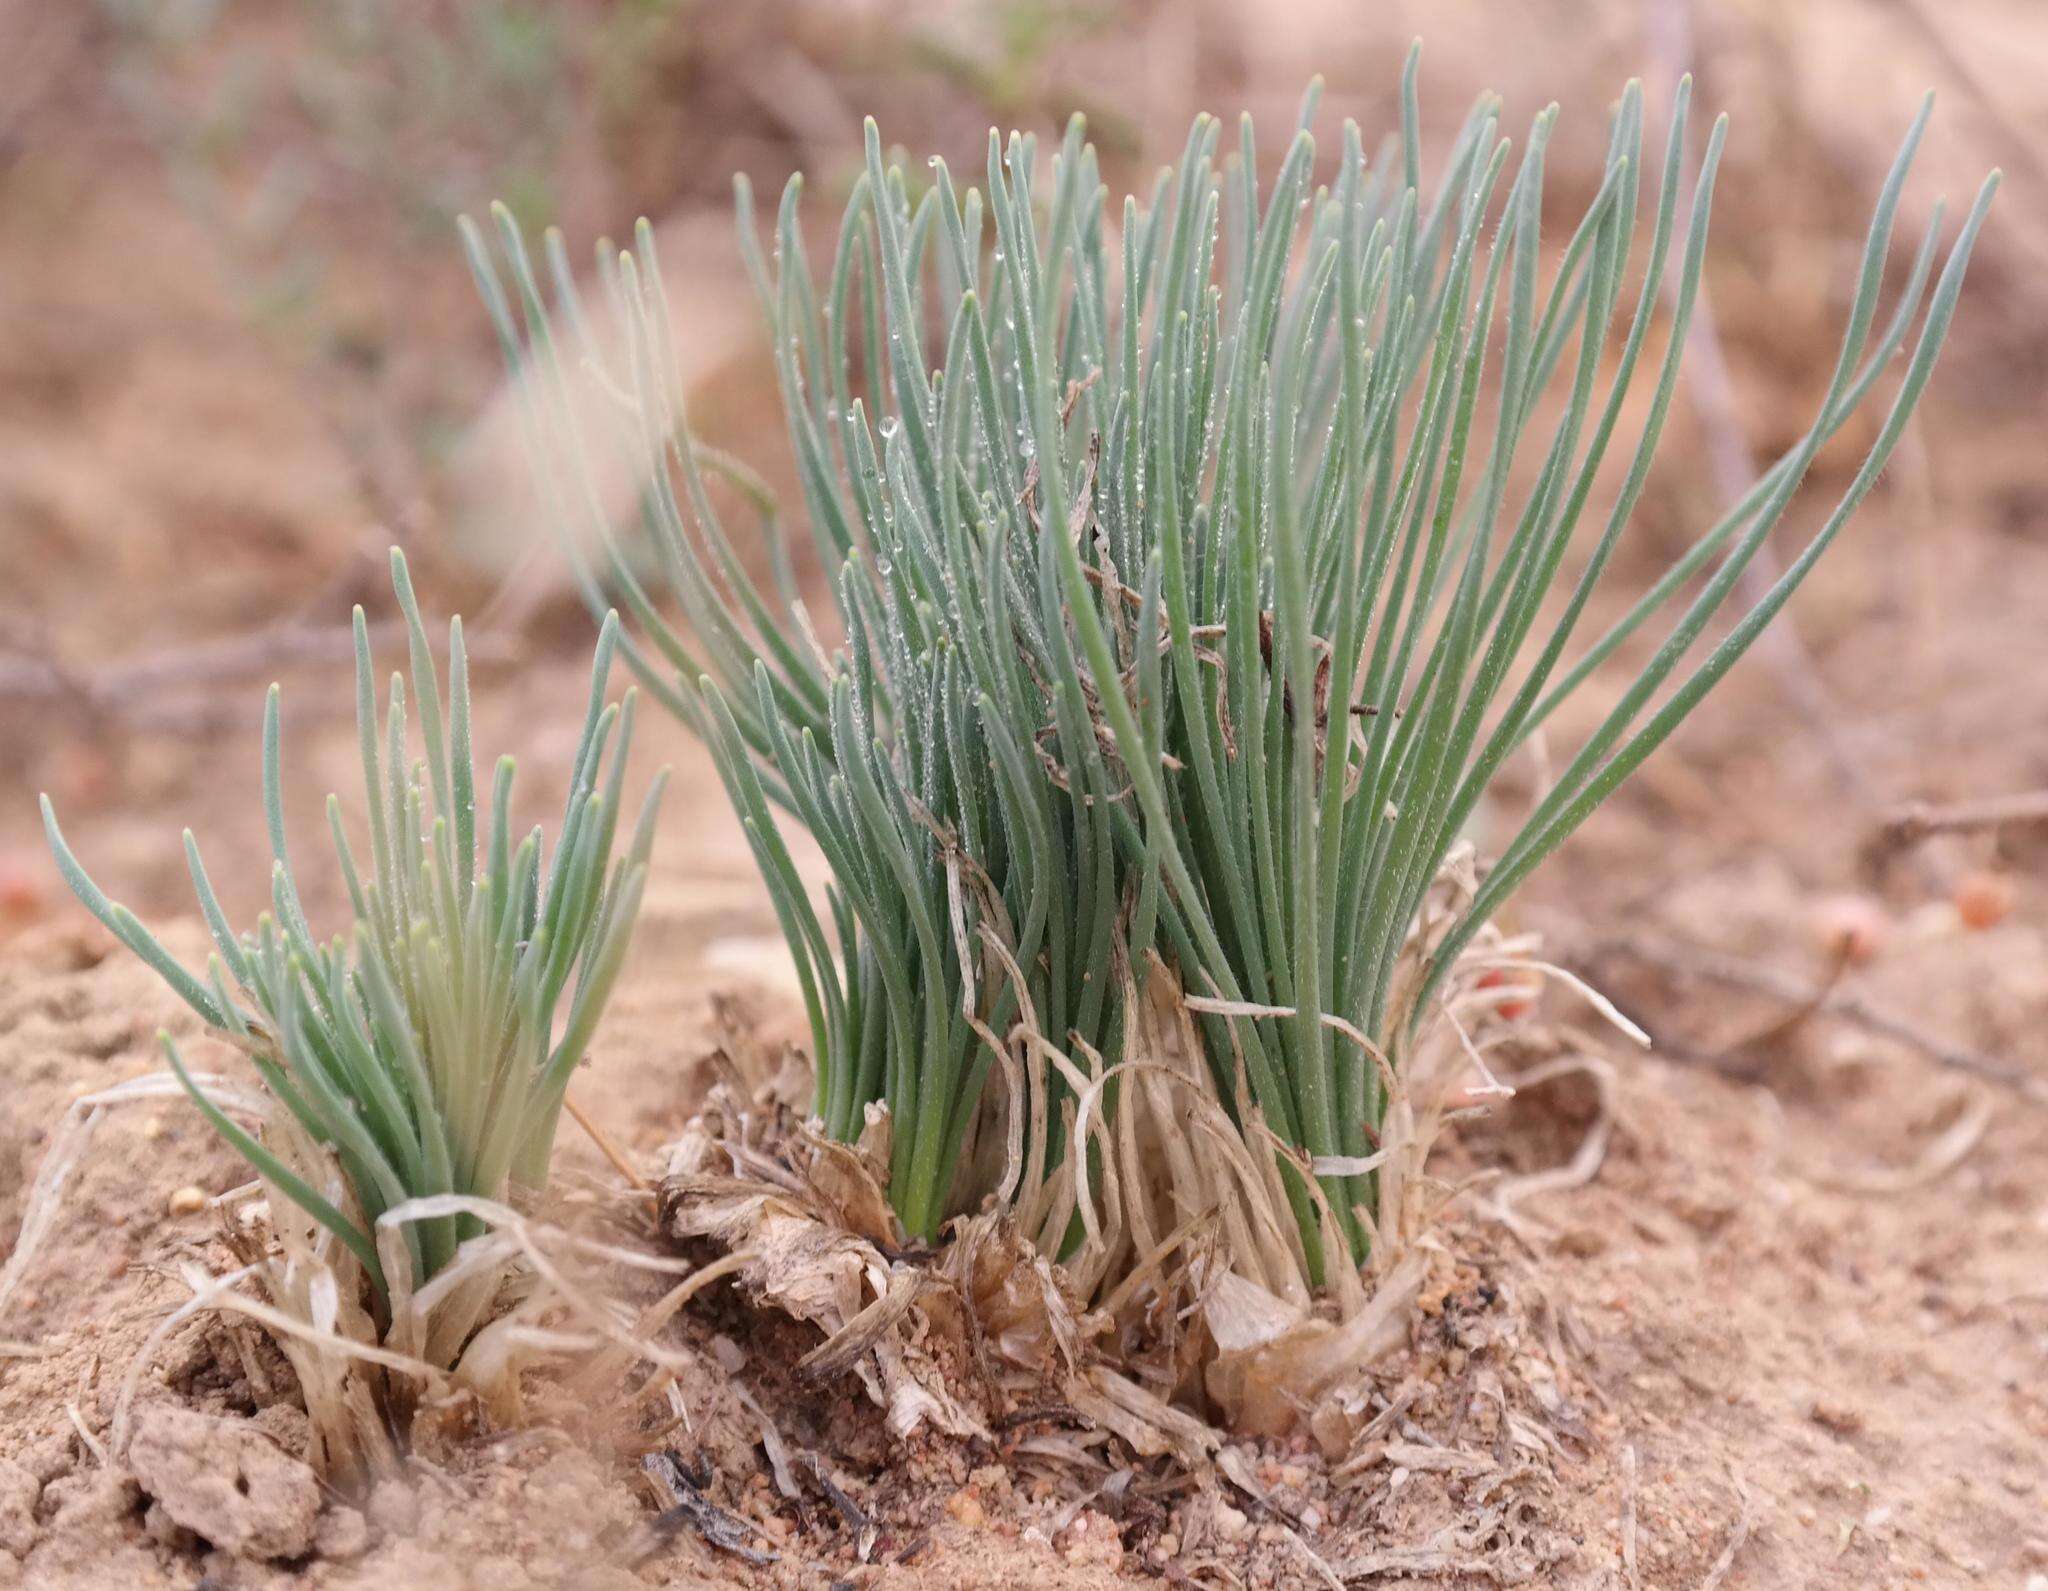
[
  {"x": 418, "y": 1063},
  {"x": 1199, "y": 563}
]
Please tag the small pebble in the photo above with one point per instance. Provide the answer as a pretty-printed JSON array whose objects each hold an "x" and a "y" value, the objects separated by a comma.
[
  {"x": 1983, "y": 900},
  {"x": 1094, "y": 1539},
  {"x": 187, "y": 1200}
]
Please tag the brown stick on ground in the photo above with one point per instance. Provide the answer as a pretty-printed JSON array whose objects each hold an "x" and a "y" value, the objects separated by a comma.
[
  {"x": 133, "y": 691},
  {"x": 1691, "y": 961},
  {"x": 1916, "y": 821}
]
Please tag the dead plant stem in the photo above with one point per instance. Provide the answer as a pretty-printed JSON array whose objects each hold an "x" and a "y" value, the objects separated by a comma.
[{"x": 1845, "y": 1005}]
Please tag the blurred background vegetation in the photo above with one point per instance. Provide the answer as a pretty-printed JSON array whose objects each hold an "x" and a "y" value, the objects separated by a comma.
[{"x": 240, "y": 355}]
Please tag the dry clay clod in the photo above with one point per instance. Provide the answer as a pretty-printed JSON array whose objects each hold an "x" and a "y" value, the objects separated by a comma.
[
  {"x": 18, "y": 1493},
  {"x": 225, "y": 1481}
]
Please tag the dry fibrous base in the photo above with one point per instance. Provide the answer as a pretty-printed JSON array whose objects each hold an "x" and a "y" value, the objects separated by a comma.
[
  {"x": 1446, "y": 1443},
  {"x": 1468, "y": 1394}
]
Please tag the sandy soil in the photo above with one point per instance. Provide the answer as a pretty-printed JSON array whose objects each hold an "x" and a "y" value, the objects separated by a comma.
[{"x": 1793, "y": 1332}]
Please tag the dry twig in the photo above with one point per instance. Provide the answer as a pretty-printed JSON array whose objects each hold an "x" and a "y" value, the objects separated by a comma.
[
  {"x": 145, "y": 692},
  {"x": 1586, "y": 1160},
  {"x": 1908, "y": 825},
  {"x": 1936, "y": 1161},
  {"x": 690, "y": 1509},
  {"x": 1628, "y": 1517},
  {"x": 1691, "y": 961},
  {"x": 611, "y": 1151},
  {"x": 1736, "y": 1536}
]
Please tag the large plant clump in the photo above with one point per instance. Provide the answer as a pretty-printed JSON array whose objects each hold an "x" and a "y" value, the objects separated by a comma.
[{"x": 1198, "y": 563}]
